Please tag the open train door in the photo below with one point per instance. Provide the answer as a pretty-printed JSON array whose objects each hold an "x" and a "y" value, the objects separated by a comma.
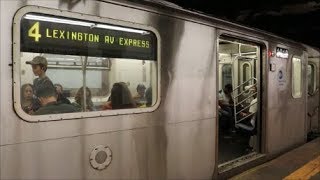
[
  {"x": 312, "y": 125},
  {"x": 239, "y": 101}
]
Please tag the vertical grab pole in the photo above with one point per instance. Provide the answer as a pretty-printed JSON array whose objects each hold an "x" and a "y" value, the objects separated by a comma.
[
  {"x": 84, "y": 75},
  {"x": 234, "y": 89}
]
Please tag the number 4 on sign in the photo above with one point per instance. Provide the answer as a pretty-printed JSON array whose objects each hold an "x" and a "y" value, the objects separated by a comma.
[{"x": 34, "y": 32}]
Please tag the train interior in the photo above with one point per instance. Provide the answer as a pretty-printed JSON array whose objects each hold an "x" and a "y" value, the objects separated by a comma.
[
  {"x": 238, "y": 99},
  {"x": 98, "y": 74}
]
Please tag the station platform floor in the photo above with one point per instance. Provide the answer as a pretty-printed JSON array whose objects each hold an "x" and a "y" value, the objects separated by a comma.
[{"x": 301, "y": 163}]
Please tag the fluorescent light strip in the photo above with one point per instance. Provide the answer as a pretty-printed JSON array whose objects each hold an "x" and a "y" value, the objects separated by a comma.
[
  {"x": 56, "y": 20},
  {"x": 103, "y": 26},
  {"x": 82, "y": 23}
]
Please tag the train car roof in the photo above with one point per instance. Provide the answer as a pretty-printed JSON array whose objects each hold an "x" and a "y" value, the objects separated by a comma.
[{"x": 173, "y": 10}]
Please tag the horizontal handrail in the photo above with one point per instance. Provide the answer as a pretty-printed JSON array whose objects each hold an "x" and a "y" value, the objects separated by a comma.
[
  {"x": 245, "y": 108},
  {"x": 245, "y": 83},
  {"x": 241, "y": 93},
  {"x": 245, "y": 117},
  {"x": 247, "y": 98}
]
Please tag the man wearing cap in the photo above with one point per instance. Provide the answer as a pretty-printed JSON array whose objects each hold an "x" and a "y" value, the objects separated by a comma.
[
  {"x": 140, "y": 98},
  {"x": 39, "y": 67},
  {"x": 48, "y": 100}
]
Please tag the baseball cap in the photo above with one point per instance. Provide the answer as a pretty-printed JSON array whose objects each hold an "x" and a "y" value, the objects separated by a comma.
[{"x": 38, "y": 60}]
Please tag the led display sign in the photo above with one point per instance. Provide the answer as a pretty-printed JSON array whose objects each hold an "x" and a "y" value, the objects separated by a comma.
[
  {"x": 282, "y": 53},
  {"x": 60, "y": 35}
]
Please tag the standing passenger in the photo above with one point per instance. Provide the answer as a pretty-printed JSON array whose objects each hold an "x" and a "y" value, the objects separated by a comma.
[{"x": 39, "y": 67}]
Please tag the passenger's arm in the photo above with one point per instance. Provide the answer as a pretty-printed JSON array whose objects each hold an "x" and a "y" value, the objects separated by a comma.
[
  {"x": 106, "y": 106},
  {"x": 223, "y": 103}
]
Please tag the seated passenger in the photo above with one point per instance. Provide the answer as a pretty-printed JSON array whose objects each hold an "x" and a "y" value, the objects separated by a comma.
[
  {"x": 60, "y": 97},
  {"x": 248, "y": 125},
  {"x": 252, "y": 109},
  {"x": 225, "y": 106},
  {"x": 149, "y": 97},
  {"x": 225, "y": 96},
  {"x": 48, "y": 100},
  {"x": 29, "y": 103},
  {"x": 120, "y": 97},
  {"x": 79, "y": 100},
  {"x": 139, "y": 98}
]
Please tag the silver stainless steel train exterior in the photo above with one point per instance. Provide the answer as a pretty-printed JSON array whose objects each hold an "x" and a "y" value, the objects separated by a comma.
[{"x": 176, "y": 140}]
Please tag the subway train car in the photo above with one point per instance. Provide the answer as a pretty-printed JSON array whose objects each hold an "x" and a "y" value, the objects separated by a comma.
[{"x": 201, "y": 98}]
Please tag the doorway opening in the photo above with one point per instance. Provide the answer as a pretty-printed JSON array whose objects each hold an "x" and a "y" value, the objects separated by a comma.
[{"x": 238, "y": 99}]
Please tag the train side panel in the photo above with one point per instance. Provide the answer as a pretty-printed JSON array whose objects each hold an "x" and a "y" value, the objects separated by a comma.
[
  {"x": 286, "y": 114},
  {"x": 313, "y": 70},
  {"x": 175, "y": 141}
]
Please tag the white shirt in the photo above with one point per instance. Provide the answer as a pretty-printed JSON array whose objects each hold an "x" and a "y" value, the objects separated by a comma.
[{"x": 253, "y": 106}]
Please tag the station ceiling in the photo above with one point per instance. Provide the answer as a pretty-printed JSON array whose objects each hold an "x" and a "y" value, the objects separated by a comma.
[{"x": 295, "y": 19}]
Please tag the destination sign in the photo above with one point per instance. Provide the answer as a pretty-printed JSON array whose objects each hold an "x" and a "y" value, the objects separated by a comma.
[
  {"x": 59, "y": 35},
  {"x": 282, "y": 53}
]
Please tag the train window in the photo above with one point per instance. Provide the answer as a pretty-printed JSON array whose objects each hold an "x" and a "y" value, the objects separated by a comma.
[
  {"x": 296, "y": 77},
  {"x": 311, "y": 74},
  {"x": 246, "y": 74},
  {"x": 83, "y": 67},
  {"x": 226, "y": 74}
]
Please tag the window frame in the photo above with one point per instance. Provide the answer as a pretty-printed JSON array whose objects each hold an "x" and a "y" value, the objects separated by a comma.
[
  {"x": 314, "y": 67},
  {"x": 67, "y": 14},
  {"x": 242, "y": 80},
  {"x": 296, "y": 95},
  {"x": 225, "y": 65}
]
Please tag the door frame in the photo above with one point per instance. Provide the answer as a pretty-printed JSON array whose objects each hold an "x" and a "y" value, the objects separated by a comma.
[
  {"x": 262, "y": 76},
  {"x": 315, "y": 95}
]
